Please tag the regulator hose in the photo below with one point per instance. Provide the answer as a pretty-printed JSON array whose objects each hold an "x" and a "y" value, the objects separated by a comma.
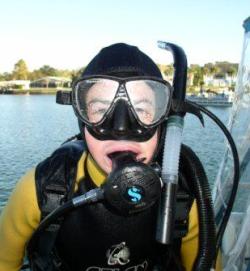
[
  {"x": 207, "y": 230},
  {"x": 91, "y": 196},
  {"x": 236, "y": 176}
]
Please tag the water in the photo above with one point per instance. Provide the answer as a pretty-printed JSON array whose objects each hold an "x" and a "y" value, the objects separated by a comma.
[{"x": 33, "y": 126}]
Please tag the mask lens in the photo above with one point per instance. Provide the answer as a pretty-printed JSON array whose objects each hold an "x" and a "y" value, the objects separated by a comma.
[
  {"x": 94, "y": 97},
  {"x": 150, "y": 99}
]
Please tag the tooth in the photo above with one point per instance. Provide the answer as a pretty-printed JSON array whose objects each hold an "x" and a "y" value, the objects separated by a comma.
[{"x": 141, "y": 159}]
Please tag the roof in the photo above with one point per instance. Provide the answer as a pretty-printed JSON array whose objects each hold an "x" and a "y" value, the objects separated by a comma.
[{"x": 53, "y": 78}]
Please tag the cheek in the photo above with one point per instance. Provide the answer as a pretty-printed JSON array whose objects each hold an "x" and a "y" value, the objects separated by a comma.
[
  {"x": 93, "y": 144},
  {"x": 150, "y": 146},
  {"x": 96, "y": 149}
]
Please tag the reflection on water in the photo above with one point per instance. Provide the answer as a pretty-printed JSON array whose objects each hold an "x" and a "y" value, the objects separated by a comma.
[{"x": 33, "y": 126}]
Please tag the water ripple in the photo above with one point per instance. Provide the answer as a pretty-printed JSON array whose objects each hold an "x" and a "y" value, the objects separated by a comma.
[{"x": 33, "y": 126}]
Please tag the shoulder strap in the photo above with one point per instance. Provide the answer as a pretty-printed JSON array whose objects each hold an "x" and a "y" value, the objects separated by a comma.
[
  {"x": 55, "y": 180},
  {"x": 55, "y": 176}
]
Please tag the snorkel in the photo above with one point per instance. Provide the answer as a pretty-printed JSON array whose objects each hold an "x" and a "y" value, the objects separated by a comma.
[
  {"x": 172, "y": 146},
  {"x": 170, "y": 171}
]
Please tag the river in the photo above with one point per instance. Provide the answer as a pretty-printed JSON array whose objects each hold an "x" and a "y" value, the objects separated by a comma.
[{"x": 32, "y": 126}]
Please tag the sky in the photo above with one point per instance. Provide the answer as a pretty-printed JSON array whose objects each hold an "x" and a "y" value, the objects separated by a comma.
[{"x": 66, "y": 34}]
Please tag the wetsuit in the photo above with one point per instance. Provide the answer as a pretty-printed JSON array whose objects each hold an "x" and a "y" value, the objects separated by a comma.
[{"x": 21, "y": 217}]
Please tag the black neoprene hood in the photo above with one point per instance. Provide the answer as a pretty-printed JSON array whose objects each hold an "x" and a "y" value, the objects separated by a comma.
[{"x": 122, "y": 58}]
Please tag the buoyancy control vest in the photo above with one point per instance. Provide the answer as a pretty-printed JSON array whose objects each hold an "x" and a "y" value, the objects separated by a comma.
[{"x": 95, "y": 237}]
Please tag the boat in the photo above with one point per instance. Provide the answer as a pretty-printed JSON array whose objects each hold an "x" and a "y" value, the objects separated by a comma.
[
  {"x": 236, "y": 242},
  {"x": 216, "y": 100}
]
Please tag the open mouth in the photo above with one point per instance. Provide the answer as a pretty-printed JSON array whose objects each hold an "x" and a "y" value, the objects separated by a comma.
[
  {"x": 134, "y": 154},
  {"x": 115, "y": 154},
  {"x": 120, "y": 158}
]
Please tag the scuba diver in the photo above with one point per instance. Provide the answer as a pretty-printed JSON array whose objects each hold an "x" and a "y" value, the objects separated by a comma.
[{"x": 123, "y": 105}]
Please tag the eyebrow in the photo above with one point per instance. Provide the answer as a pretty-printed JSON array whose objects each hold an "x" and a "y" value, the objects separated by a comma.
[
  {"x": 144, "y": 101},
  {"x": 96, "y": 100}
]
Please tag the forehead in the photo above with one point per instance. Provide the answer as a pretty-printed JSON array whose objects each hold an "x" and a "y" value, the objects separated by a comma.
[
  {"x": 104, "y": 84},
  {"x": 107, "y": 86},
  {"x": 140, "y": 87}
]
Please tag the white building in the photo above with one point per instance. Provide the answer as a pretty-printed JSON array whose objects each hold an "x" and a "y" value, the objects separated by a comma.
[
  {"x": 20, "y": 84},
  {"x": 51, "y": 82},
  {"x": 228, "y": 81}
]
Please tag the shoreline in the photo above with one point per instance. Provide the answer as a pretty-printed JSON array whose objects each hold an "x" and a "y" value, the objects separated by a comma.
[
  {"x": 38, "y": 91},
  {"x": 53, "y": 91}
]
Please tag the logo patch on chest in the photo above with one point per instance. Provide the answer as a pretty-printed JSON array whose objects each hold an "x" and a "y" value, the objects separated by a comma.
[{"x": 118, "y": 254}]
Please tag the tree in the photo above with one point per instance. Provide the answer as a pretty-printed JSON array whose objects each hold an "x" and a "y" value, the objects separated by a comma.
[
  {"x": 6, "y": 76},
  {"x": 197, "y": 72},
  {"x": 168, "y": 70},
  {"x": 76, "y": 74},
  {"x": 210, "y": 69},
  {"x": 46, "y": 70},
  {"x": 20, "y": 71},
  {"x": 64, "y": 73},
  {"x": 198, "y": 77},
  {"x": 36, "y": 74},
  {"x": 232, "y": 71}
]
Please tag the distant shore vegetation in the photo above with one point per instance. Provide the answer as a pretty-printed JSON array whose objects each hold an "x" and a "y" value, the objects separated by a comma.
[
  {"x": 198, "y": 76},
  {"x": 21, "y": 72}
]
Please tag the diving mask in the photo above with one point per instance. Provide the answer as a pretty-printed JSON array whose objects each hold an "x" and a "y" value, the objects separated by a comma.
[
  {"x": 139, "y": 103},
  {"x": 94, "y": 98}
]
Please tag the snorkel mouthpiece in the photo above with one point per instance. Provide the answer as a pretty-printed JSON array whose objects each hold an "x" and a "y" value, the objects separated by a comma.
[{"x": 132, "y": 186}]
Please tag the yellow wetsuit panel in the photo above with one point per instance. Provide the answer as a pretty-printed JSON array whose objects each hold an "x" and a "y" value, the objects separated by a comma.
[
  {"x": 21, "y": 217},
  {"x": 189, "y": 247}
]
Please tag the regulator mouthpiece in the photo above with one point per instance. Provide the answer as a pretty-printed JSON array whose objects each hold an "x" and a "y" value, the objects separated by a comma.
[
  {"x": 132, "y": 186},
  {"x": 120, "y": 159}
]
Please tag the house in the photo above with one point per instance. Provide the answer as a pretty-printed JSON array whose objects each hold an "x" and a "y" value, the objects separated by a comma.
[
  {"x": 15, "y": 84},
  {"x": 51, "y": 82},
  {"x": 227, "y": 81}
]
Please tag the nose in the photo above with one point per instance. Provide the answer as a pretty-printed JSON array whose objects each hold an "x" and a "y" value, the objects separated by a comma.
[
  {"x": 121, "y": 124},
  {"x": 121, "y": 118}
]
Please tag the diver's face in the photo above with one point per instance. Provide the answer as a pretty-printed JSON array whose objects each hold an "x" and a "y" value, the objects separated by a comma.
[
  {"x": 98, "y": 100},
  {"x": 101, "y": 95},
  {"x": 102, "y": 149}
]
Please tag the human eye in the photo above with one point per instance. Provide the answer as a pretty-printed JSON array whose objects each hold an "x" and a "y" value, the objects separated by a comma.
[
  {"x": 145, "y": 113},
  {"x": 96, "y": 110}
]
